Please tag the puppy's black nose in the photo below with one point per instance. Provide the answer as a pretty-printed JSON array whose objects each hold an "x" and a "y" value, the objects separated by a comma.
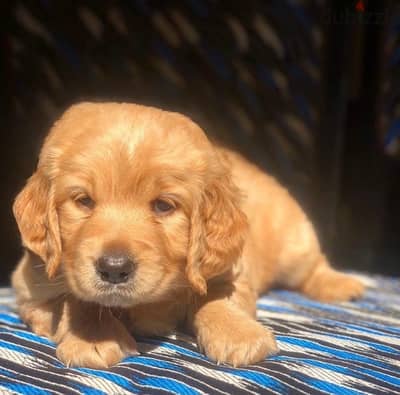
[{"x": 114, "y": 269}]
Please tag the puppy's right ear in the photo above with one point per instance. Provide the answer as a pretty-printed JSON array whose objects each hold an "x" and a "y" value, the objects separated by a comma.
[{"x": 37, "y": 220}]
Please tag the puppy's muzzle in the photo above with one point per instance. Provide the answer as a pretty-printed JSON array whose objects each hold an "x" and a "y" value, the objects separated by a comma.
[{"x": 115, "y": 268}]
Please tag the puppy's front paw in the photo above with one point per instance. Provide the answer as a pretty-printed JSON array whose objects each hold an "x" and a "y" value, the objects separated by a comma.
[
  {"x": 328, "y": 285},
  {"x": 91, "y": 337},
  {"x": 237, "y": 344},
  {"x": 100, "y": 354}
]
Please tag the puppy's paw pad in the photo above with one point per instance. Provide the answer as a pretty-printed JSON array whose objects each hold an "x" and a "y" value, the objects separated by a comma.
[{"x": 241, "y": 345}]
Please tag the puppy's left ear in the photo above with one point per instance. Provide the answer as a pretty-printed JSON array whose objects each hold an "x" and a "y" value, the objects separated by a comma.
[
  {"x": 37, "y": 221},
  {"x": 218, "y": 229}
]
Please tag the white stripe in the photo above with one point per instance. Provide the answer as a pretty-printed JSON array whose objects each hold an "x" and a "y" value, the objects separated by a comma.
[
  {"x": 163, "y": 373},
  {"x": 97, "y": 382}
]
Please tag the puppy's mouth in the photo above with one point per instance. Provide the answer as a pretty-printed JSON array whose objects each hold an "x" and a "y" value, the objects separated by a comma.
[{"x": 114, "y": 295}]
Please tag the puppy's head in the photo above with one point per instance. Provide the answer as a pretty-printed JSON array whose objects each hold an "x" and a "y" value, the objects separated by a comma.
[{"x": 130, "y": 202}]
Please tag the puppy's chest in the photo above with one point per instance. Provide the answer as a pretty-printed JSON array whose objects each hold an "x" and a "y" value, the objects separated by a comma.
[{"x": 156, "y": 318}]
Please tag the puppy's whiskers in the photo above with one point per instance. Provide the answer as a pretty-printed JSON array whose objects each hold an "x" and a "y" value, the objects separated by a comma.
[
  {"x": 100, "y": 311},
  {"x": 61, "y": 298},
  {"x": 47, "y": 284}
]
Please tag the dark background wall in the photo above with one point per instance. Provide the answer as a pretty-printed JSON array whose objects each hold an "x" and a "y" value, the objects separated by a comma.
[{"x": 307, "y": 90}]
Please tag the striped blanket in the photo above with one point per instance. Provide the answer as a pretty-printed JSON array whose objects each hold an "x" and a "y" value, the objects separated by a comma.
[{"x": 348, "y": 348}]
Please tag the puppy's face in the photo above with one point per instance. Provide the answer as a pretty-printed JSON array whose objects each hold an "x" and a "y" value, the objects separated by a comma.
[{"x": 130, "y": 203}]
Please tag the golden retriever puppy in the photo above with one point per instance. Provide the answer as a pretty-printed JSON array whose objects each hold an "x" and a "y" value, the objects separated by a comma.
[{"x": 134, "y": 223}]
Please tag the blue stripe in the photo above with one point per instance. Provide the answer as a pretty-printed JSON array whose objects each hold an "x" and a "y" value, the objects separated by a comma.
[
  {"x": 274, "y": 308},
  {"x": 258, "y": 378},
  {"x": 181, "y": 350},
  {"x": 7, "y": 373},
  {"x": 386, "y": 378},
  {"x": 10, "y": 319},
  {"x": 169, "y": 384},
  {"x": 15, "y": 347},
  {"x": 23, "y": 388}
]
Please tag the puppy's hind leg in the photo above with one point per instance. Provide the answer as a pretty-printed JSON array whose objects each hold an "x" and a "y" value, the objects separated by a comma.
[
  {"x": 304, "y": 268},
  {"x": 42, "y": 317},
  {"x": 329, "y": 285},
  {"x": 39, "y": 300}
]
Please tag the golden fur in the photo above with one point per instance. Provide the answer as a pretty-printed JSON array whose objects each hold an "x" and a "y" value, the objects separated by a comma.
[{"x": 232, "y": 233}]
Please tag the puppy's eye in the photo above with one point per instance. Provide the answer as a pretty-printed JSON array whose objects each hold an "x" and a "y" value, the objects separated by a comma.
[
  {"x": 162, "y": 207},
  {"x": 85, "y": 201}
]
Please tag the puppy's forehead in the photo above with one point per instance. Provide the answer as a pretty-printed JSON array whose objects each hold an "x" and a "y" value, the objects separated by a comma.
[{"x": 108, "y": 131}]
